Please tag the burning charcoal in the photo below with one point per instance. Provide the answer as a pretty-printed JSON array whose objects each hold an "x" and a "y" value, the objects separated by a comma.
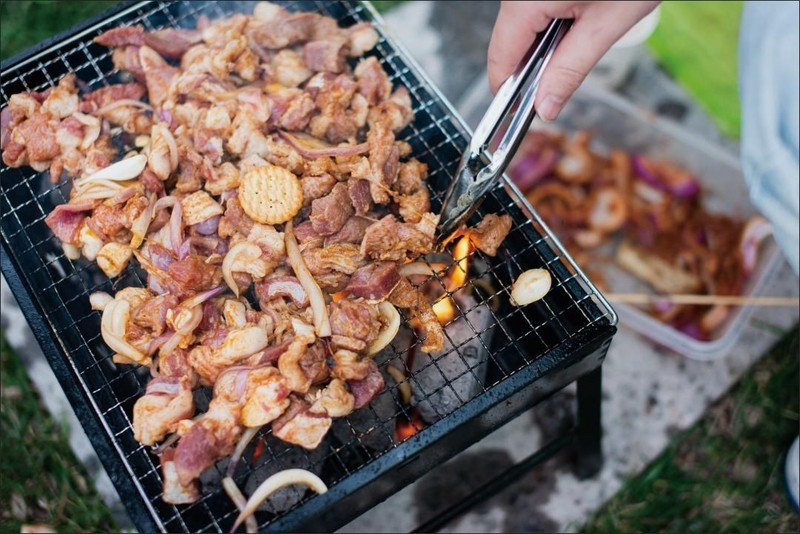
[
  {"x": 373, "y": 423},
  {"x": 286, "y": 457},
  {"x": 443, "y": 381}
]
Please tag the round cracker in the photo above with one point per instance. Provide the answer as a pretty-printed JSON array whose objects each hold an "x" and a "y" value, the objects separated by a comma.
[{"x": 270, "y": 194}]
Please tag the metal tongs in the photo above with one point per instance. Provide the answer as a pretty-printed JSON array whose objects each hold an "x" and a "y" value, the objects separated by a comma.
[{"x": 478, "y": 172}]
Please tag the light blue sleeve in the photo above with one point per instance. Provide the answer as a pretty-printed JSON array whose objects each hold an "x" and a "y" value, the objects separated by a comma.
[{"x": 769, "y": 87}]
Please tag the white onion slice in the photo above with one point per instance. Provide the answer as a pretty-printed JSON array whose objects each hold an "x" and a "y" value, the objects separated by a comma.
[
  {"x": 277, "y": 481},
  {"x": 112, "y": 328},
  {"x": 422, "y": 268},
  {"x": 126, "y": 169},
  {"x": 121, "y": 103},
  {"x": 142, "y": 223},
  {"x": 246, "y": 253},
  {"x": 247, "y": 436},
  {"x": 385, "y": 336},
  {"x": 99, "y": 300},
  {"x": 322, "y": 324},
  {"x": 163, "y": 131},
  {"x": 92, "y": 131},
  {"x": 238, "y": 499},
  {"x": 402, "y": 384},
  {"x": 165, "y": 202}
]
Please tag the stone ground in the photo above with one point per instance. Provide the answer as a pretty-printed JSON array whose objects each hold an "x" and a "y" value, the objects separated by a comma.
[{"x": 648, "y": 393}]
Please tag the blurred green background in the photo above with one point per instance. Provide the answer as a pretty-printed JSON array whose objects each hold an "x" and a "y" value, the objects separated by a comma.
[
  {"x": 721, "y": 475},
  {"x": 695, "y": 42}
]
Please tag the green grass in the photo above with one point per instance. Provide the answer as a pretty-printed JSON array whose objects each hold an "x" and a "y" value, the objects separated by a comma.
[
  {"x": 41, "y": 480},
  {"x": 24, "y": 23},
  {"x": 726, "y": 473},
  {"x": 696, "y": 42},
  {"x": 384, "y": 6}
]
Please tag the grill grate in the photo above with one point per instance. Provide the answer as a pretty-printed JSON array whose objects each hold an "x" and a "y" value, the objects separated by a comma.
[{"x": 59, "y": 287}]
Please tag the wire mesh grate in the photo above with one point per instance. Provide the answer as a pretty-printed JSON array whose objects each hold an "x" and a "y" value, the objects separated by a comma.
[{"x": 60, "y": 286}]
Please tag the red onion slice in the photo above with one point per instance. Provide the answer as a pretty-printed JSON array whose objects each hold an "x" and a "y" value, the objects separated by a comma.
[
  {"x": 532, "y": 168},
  {"x": 163, "y": 385},
  {"x": 311, "y": 147},
  {"x": 681, "y": 184},
  {"x": 209, "y": 226},
  {"x": 157, "y": 342},
  {"x": 692, "y": 329},
  {"x": 5, "y": 130}
]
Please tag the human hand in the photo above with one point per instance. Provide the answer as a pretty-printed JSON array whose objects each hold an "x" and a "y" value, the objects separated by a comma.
[{"x": 597, "y": 26}]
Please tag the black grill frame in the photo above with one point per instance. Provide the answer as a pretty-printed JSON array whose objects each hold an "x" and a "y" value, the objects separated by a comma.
[{"x": 570, "y": 328}]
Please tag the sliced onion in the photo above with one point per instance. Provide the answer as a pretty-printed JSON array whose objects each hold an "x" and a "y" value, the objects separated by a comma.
[
  {"x": 165, "y": 202},
  {"x": 648, "y": 193},
  {"x": 112, "y": 328},
  {"x": 277, "y": 481},
  {"x": 166, "y": 134},
  {"x": 755, "y": 231},
  {"x": 532, "y": 167},
  {"x": 663, "y": 306},
  {"x": 175, "y": 230},
  {"x": 189, "y": 315},
  {"x": 209, "y": 226},
  {"x": 142, "y": 223},
  {"x": 158, "y": 342},
  {"x": 247, "y": 436},
  {"x": 388, "y": 333},
  {"x": 243, "y": 253},
  {"x": 126, "y": 169},
  {"x": 285, "y": 286},
  {"x": 92, "y": 130},
  {"x": 122, "y": 103},
  {"x": 692, "y": 329},
  {"x": 163, "y": 387},
  {"x": 322, "y": 324},
  {"x": 200, "y": 298},
  {"x": 238, "y": 499},
  {"x": 311, "y": 147},
  {"x": 98, "y": 190},
  {"x": 402, "y": 383},
  {"x": 189, "y": 319},
  {"x": 682, "y": 186},
  {"x": 158, "y": 451},
  {"x": 422, "y": 268},
  {"x": 99, "y": 300}
]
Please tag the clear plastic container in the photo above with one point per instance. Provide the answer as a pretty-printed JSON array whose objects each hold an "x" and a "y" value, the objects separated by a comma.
[{"x": 615, "y": 123}]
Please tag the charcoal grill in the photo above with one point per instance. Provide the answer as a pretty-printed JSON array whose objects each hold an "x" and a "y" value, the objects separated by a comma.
[{"x": 534, "y": 351}]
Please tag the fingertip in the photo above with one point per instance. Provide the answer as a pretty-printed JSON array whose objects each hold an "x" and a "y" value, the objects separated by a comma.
[{"x": 550, "y": 108}]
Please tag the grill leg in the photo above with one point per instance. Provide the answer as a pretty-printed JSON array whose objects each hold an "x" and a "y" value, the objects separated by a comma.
[{"x": 589, "y": 431}]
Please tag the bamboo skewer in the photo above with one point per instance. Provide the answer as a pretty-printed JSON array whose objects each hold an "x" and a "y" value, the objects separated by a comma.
[{"x": 706, "y": 300}]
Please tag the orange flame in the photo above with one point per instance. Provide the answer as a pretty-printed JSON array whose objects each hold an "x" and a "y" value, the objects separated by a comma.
[
  {"x": 258, "y": 450},
  {"x": 404, "y": 428},
  {"x": 444, "y": 308},
  {"x": 458, "y": 276}
]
